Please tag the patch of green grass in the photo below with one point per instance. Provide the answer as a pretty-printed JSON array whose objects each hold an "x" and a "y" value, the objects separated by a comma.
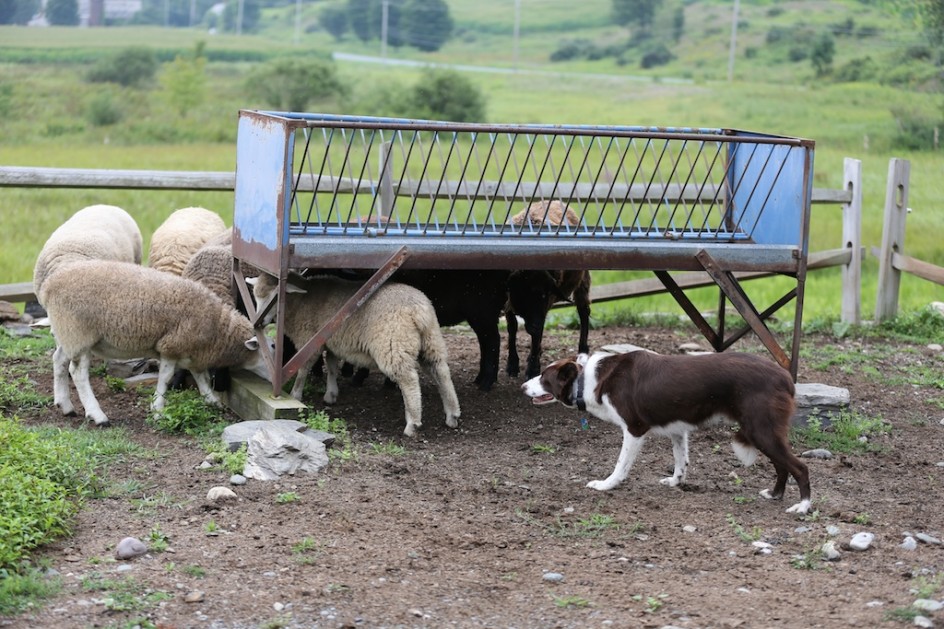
[
  {"x": 902, "y": 614},
  {"x": 319, "y": 420},
  {"x": 211, "y": 528},
  {"x": 286, "y": 497},
  {"x": 567, "y": 602},
  {"x": 593, "y": 526},
  {"x": 149, "y": 505},
  {"x": 26, "y": 589},
  {"x": 388, "y": 447},
  {"x": 927, "y": 587},
  {"x": 653, "y": 603},
  {"x": 541, "y": 448},
  {"x": 186, "y": 412},
  {"x": 849, "y": 432},
  {"x": 18, "y": 394},
  {"x": 195, "y": 571},
  {"x": 123, "y": 595},
  {"x": 743, "y": 534},
  {"x": 918, "y": 326},
  {"x": 157, "y": 539},
  {"x": 38, "y": 344},
  {"x": 116, "y": 385},
  {"x": 810, "y": 560}
]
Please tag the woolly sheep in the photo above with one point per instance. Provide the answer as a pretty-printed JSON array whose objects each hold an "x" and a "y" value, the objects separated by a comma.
[
  {"x": 391, "y": 332},
  {"x": 121, "y": 310},
  {"x": 180, "y": 236},
  {"x": 531, "y": 294},
  {"x": 96, "y": 232}
]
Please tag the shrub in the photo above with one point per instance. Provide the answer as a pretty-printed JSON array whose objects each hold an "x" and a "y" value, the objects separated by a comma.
[
  {"x": 657, "y": 55},
  {"x": 856, "y": 70},
  {"x": 572, "y": 49},
  {"x": 290, "y": 84},
  {"x": 447, "y": 95},
  {"x": 62, "y": 12},
  {"x": 131, "y": 67},
  {"x": 427, "y": 24},
  {"x": 333, "y": 19},
  {"x": 102, "y": 111}
]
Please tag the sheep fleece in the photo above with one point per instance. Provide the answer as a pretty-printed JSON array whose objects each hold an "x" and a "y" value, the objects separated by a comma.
[
  {"x": 121, "y": 310},
  {"x": 180, "y": 236},
  {"x": 96, "y": 232}
]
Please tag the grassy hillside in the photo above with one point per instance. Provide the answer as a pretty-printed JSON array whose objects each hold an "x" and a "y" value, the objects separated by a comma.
[{"x": 45, "y": 104}]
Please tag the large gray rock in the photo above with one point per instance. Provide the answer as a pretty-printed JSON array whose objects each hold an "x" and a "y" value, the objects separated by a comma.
[
  {"x": 235, "y": 435},
  {"x": 276, "y": 450},
  {"x": 819, "y": 400}
]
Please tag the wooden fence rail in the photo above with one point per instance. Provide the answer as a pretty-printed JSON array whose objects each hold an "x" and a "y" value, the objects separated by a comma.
[{"x": 848, "y": 255}]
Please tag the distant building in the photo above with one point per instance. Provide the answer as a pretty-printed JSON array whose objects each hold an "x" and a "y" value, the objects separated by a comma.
[{"x": 118, "y": 10}]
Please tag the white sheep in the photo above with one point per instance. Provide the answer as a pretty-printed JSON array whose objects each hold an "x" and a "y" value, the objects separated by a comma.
[
  {"x": 180, "y": 236},
  {"x": 212, "y": 266},
  {"x": 96, "y": 232},
  {"x": 121, "y": 310},
  {"x": 391, "y": 332}
]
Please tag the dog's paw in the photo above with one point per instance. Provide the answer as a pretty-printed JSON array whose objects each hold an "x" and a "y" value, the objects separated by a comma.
[
  {"x": 766, "y": 493},
  {"x": 671, "y": 481},
  {"x": 802, "y": 507},
  {"x": 600, "y": 485}
]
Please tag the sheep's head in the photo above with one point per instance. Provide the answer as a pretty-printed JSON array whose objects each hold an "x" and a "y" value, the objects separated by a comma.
[{"x": 531, "y": 294}]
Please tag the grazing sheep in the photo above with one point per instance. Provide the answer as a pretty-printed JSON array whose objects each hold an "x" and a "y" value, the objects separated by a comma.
[
  {"x": 531, "y": 294},
  {"x": 180, "y": 236},
  {"x": 96, "y": 232},
  {"x": 391, "y": 332},
  {"x": 121, "y": 310}
]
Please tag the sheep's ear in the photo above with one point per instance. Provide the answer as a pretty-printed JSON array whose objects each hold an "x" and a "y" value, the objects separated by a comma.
[
  {"x": 292, "y": 288},
  {"x": 252, "y": 344},
  {"x": 252, "y": 280}
]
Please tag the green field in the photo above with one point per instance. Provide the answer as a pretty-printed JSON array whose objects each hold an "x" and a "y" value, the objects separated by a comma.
[{"x": 45, "y": 103}]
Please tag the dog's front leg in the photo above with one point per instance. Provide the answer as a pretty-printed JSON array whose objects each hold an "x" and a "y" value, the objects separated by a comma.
[
  {"x": 680, "y": 453},
  {"x": 627, "y": 455}
]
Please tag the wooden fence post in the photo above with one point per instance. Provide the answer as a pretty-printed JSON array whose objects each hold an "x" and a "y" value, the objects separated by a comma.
[
  {"x": 893, "y": 238},
  {"x": 851, "y": 311}
]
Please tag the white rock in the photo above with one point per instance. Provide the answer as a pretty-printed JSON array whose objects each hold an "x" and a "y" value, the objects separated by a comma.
[
  {"x": 553, "y": 577},
  {"x": 861, "y": 541},
  {"x": 927, "y": 539},
  {"x": 688, "y": 528},
  {"x": 237, "y": 479},
  {"x": 909, "y": 543},
  {"x": 762, "y": 548},
  {"x": 818, "y": 453},
  {"x": 832, "y": 530},
  {"x": 935, "y": 347},
  {"x": 219, "y": 494},
  {"x": 928, "y": 605},
  {"x": 830, "y": 552},
  {"x": 923, "y": 621}
]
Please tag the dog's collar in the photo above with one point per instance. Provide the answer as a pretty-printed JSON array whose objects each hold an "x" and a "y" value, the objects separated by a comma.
[{"x": 578, "y": 392}]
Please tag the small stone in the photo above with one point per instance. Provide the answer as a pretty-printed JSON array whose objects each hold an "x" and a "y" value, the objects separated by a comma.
[
  {"x": 830, "y": 552},
  {"x": 220, "y": 494},
  {"x": 125, "y": 567},
  {"x": 278, "y": 606},
  {"x": 875, "y": 604},
  {"x": 130, "y": 547},
  {"x": 237, "y": 479},
  {"x": 818, "y": 453},
  {"x": 861, "y": 541},
  {"x": 935, "y": 347},
  {"x": 832, "y": 530},
  {"x": 927, "y": 539},
  {"x": 688, "y": 528},
  {"x": 553, "y": 577},
  {"x": 194, "y": 597},
  {"x": 801, "y": 530},
  {"x": 909, "y": 543},
  {"x": 204, "y": 465},
  {"x": 928, "y": 605},
  {"x": 923, "y": 621}
]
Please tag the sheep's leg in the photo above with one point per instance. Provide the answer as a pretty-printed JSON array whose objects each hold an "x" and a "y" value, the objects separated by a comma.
[
  {"x": 331, "y": 378},
  {"x": 443, "y": 379},
  {"x": 513, "y": 367},
  {"x": 408, "y": 379},
  {"x": 165, "y": 371},
  {"x": 79, "y": 369},
  {"x": 489, "y": 352},
  {"x": 60, "y": 380},
  {"x": 582, "y": 301},
  {"x": 536, "y": 330},
  {"x": 301, "y": 377},
  {"x": 202, "y": 378}
]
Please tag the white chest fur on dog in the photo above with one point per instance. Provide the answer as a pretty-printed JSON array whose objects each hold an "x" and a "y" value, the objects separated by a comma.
[{"x": 644, "y": 393}]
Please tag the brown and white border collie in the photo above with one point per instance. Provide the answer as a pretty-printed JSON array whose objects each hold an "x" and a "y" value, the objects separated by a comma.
[{"x": 642, "y": 392}]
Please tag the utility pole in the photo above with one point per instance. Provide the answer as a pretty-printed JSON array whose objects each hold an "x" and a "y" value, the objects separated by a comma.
[
  {"x": 384, "y": 16},
  {"x": 239, "y": 18},
  {"x": 298, "y": 21},
  {"x": 517, "y": 31},
  {"x": 734, "y": 35}
]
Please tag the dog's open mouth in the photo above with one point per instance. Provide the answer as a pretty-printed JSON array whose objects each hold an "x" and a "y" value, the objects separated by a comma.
[{"x": 541, "y": 400}]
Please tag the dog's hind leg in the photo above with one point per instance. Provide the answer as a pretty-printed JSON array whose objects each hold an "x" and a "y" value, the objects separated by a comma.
[
  {"x": 786, "y": 463},
  {"x": 627, "y": 455},
  {"x": 680, "y": 453}
]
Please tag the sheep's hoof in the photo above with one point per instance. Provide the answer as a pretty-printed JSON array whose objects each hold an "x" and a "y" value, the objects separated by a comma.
[
  {"x": 105, "y": 423},
  {"x": 67, "y": 411},
  {"x": 452, "y": 421}
]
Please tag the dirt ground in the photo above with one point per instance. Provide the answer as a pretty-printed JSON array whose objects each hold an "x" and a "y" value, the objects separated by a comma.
[{"x": 491, "y": 525}]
